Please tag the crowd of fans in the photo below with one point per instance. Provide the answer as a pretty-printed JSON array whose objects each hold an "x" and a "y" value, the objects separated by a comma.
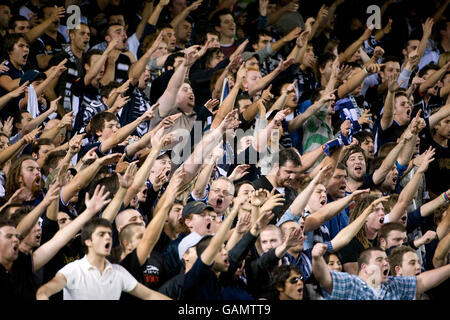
[{"x": 224, "y": 150}]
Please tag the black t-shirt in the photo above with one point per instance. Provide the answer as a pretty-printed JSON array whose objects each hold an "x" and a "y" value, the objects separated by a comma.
[
  {"x": 151, "y": 274},
  {"x": 391, "y": 134},
  {"x": 11, "y": 109},
  {"x": 135, "y": 108},
  {"x": 439, "y": 169},
  {"x": 46, "y": 45},
  {"x": 19, "y": 284},
  {"x": 351, "y": 251}
]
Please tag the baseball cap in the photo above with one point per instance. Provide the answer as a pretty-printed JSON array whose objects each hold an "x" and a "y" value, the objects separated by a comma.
[
  {"x": 246, "y": 55},
  {"x": 32, "y": 75},
  {"x": 189, "y": 241},
  {"x": 195, "y": 207}
]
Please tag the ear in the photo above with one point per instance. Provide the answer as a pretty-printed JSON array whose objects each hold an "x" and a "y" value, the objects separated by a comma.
[
  {"x": 104, "y": 100},
  {"x": 398, "y": 270},
  {"x": 34, "y": 155},
  {"x": 217, "y": 28},
  {"x": 280, "y": 289},
  {"x": 108, "y": 38},
  {"x": 383, "y": 243},
  {"x": 254, "y": 46},
  {"x": 88, "y": 243}
]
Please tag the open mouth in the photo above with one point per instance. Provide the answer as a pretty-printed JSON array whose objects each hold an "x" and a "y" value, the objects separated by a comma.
[
  {"x": 300, "y": 292},
  {"x": 37, "y": 180},
  {"x": 394, "y": 180},
  {"x": 208, "y": 226},
  {"x": 16, "y": 248},
  {"x": 323, "y": 202},
  {"x": 385, "y": 272},
  {"x": 408, "y": 112},
  {"x": 381, "y": 220},
  {"x": 358, "y": 169},
  {"x": 219, "y": 202}
]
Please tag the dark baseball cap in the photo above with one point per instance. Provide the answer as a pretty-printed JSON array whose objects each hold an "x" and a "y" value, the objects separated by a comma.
[
  {"x": 32, "y": 75},
  {"x": 195, "y": 207}
]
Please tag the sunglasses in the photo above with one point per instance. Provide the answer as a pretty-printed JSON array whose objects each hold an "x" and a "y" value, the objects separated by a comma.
[{"x": 295, "y": 280}]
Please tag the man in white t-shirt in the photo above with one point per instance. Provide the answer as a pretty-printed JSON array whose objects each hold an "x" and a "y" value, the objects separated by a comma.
[{"x": 94, "y": 277}]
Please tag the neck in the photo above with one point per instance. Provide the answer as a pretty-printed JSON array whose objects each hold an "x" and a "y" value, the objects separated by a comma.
[
  {"x": 371, "y": 233},
  {"x": 15, "y": 64},
  {"x": 294, "y": 254},
  {"x": 7, "y": 264},
  {"x": 442, "y": 141},
  {"x": 352, "y": 185},
  {"x": 76, "y": 52},
  {"x": 97, "y": 261},
  {"x": 226, "y": 40},
  {"x": 52, "y": 33},
  {"x": 272, "y": 180},
  {"x": 170, "y": 232},
  {"x": 181, "y": 45}
]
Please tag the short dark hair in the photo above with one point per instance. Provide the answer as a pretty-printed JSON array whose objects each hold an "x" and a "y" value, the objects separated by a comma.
[
  {"x": 352, "y": 150},
  {"x": 87, "y": 56},
  {"x": 97, "y": 122},
  {"x": 51, "y": 161},
  {"x": 203, "y": 244},
  {"x": 430, "y": 66},
  {"x": 395, "y": 258},
  {"x": 170, "y": 61},
  {"x": 289, "y": 154},
  {"x": 216, "y": 17},
  {"x": 237, "y": 186},
  {"x": 14, "y": 19},
  {"x": 362, "y": 136},
  {"x": 388, "y": 227},
  {"x": 280, "y": 274},
  {"x": 260, "y": 33},
  {"x": 106, "y": 90},
  {"x": 324, "y": 59},
  {"x": 112, "y": 25},
  {"x": 364, "y": 256},
  {"x": 11, "y": 40},
  {"x": 89, "y": 229},
  {"x": 41, "y": 142}
]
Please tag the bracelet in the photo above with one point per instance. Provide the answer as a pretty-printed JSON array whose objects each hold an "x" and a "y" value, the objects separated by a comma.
[
  {"x": 365, "y": 69},
  {"x": 445, "y": 197}
]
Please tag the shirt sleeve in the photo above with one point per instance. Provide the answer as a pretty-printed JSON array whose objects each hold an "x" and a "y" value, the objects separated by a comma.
[
  {"x": 405, "y": 287},
  {"x": 70, "y": 271},
  {"x": 128, "y": 281}
]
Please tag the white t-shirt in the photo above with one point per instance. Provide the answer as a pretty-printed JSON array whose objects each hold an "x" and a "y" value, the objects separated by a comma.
[{"x": 84, "y": 281}]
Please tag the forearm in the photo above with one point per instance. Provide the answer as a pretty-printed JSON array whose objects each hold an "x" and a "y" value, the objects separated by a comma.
[
  {"x": 80, "y": 181},
  {"x": 167, "y": 102},
  {"x": 29, "y": 221},
  {"x": 350, "y": 51},
  {"x": 326, "y": 213},
  {"x": 388, "y": 113},
  {"x": 4, "y": 100},
  {"x": 279, "y": 103},
  {"x": 349, "y": 232},
  {"x": 432, "y": 278},
  {"x": 142, "y": 175},
  {"x": 139, "y": 67},
  {"x": 179, "y": 18},
  {"x": 429, "y": 207},
  {"x": 51, "y": 133},
  {"x": 405, "y": 198},
  {"x": 250, "y": 113},
  {"x": 96, "y": 67},
  {"x": 300, "y": 202},
  {"x": 388, "y": 163},
  {"x": 9, "y": 152},
  {"x": 299, "y": 120},
  {"x": 119, "y": 136},
  {"x": 226, "y": 106},
  {"x": 202, "y": 181},
  {"x": 432, "y": 79},
  {"x": 153, "y": 20},
  {"x": 441, "y": 252},
  {"x": 407, "y": 151},
  {"x": 37, "y": 31},
  {"x": 352, "y": 84},
  {"x": 114, "y": 206},
  {"x": 264, "y": 82},
  {"x": 110, "y": 73},
  {"x": 322, "y": 273}
]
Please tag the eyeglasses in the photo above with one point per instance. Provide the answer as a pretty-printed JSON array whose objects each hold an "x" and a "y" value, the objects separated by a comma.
[{"x": 295, "y": 280}]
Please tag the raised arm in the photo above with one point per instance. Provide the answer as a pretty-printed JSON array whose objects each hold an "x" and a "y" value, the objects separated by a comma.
[
  {"x": 99, "y": 63},
  {"x": 264, "y": 82},
  {"x": 228, "y": 103},
  {"x": 389, "y": 161},
  {"x": 349, "y": 232},
  {"x": 432, "y": 278},
  {"x": 328, "y": 211},
  {"x": 183, "y": 14},
  {"x": 155, "y": 227},
  {"x": 348, "y": 53},
  {"x": 167, "y": 102},
  {"x": 409, "y": 191},
  {"x": 48, "y": 250},
  {"x": 218, "y": 239},
  {"x": 125, "y": 182},
  {"x": 388, "y": 114},
  {"x": 120, "y": 135},
  {"x": 13, "y": 150},
  {"x": 441, "y": 253},
  {"x": 319, "y": 267},
  {"x": 434, "y": 78},
  {"x": 85, "y": 176}
]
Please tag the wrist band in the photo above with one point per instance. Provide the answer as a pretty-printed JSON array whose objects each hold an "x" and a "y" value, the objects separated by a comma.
[
  {"x": 365, "y": 69},
  {"x": 445, "y": 197}
]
